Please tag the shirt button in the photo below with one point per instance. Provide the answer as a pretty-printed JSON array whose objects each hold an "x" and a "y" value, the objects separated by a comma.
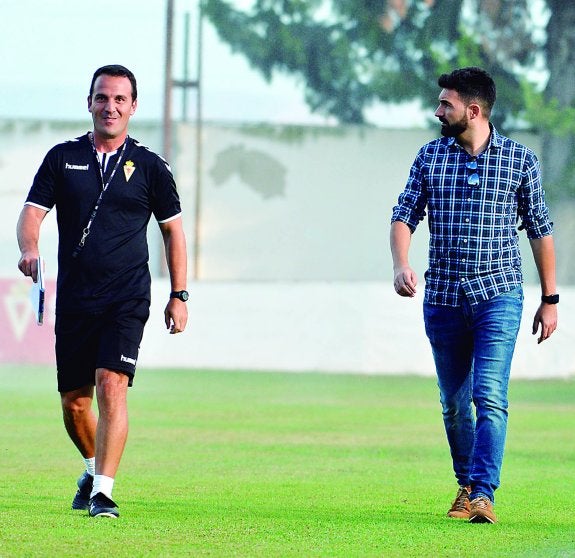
[
  {"x": 463, "y": 279},
  {"x": 467, "y": 219},
  {"x": 463, "y": 260},
  {"x": 465, "y": 241}
]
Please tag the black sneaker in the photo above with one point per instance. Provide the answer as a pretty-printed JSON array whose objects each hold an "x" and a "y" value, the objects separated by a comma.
[
  {"x": 102, "y": 506},
  {"x": 82, "y": 499}
]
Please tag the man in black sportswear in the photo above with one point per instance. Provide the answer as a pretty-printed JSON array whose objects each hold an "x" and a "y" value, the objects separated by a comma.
[{"x": 105, "y": 187}]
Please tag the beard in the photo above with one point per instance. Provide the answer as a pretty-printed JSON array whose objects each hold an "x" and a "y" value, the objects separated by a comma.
[{"x": 455, "y": 129}]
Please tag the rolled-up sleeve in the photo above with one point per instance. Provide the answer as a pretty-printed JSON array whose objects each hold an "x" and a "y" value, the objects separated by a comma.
[
  {"x": 410, "y": 208},
  {"x": 532, "y": 209}
]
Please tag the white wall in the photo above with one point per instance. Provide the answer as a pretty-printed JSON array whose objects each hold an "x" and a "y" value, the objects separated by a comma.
[
  {"x": 358, "y": 327},
  {"x": 304, "y": 204}
]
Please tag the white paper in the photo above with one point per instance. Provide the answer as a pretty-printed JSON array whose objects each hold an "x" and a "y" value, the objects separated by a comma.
[{"x": 38, "y": 293}]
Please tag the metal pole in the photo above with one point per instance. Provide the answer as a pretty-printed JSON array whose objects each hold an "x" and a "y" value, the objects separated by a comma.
[
  {"x": 167, "y": 116},
  {"x": 198, "y": 202},
  {"x": 185, "y": 72},
  {"x": 167, "y": 120}
]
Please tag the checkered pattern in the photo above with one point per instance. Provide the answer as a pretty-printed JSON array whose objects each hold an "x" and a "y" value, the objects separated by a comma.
[{"x": 473, "y": 245}]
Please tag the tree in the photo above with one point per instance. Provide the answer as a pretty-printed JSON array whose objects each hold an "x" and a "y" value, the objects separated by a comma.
[{"x": 351, "y": 54}]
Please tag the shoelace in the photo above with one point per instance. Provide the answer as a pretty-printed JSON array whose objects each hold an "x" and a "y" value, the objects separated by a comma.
[
  {"x": 480, "y": 503},
  {"x": 460, "y": 500}
]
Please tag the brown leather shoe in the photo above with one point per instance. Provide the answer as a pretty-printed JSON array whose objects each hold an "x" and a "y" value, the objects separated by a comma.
[
  {"x": 481, "y": 511},
  {"x": 460, "y": 506}
]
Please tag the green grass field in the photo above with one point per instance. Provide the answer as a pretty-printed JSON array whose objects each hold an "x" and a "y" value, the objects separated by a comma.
[{"x": 272, "y": 464}]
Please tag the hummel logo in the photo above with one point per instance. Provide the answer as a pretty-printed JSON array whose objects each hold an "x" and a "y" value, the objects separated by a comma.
[
  {"x": 128, "y": 359},
  {"x": 77, "y": 167}
]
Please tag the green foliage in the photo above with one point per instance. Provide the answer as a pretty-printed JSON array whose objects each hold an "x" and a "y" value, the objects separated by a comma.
[
  {"x": 272, "y": 464},
  {"x": 547, "y": 115},
  {"x": 555, "y": 122},
  {"x": 350, "y": 54}
]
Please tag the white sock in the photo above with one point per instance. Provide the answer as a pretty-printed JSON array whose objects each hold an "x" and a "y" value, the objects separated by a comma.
[
  {"x": 102, "y": 484},
  {"x": 90, "y": 465}
]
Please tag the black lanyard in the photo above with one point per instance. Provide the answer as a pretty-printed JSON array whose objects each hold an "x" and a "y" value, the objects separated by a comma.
[{"x": 105, "y": 185}]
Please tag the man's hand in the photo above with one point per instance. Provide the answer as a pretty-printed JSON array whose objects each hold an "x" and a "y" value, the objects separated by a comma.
[
  {"x": 405, "y": 282},
  {"x": 546, "y": 317},
  {"x": 176, "y": 315},
  {"x": 28, "y": 265}
]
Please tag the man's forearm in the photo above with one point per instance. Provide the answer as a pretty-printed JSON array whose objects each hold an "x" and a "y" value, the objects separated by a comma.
[
  {"x": 176, "y": 257},
  {"x": 544, "y": 255},
  {"x": 400, "y": 240},
  {"x": 28, "y": 229}
]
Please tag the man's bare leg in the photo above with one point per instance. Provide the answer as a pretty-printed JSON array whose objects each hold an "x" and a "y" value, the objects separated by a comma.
[
  {"x": 80, "y": 422},
  {"x": 112, "y": 430},
  {"x": 79, "y": 419}
]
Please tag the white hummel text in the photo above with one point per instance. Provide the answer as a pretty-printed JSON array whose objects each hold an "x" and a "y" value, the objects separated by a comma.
[
  {"x": 77, "y": 167},
  {"x": 128, "y": 359}
]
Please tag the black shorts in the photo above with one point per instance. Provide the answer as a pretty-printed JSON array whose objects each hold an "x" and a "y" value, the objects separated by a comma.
[{"x": 105, "y": 339}]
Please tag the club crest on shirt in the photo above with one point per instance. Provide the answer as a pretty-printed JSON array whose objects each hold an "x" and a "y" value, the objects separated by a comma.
[{"x": 129, "y": 169}]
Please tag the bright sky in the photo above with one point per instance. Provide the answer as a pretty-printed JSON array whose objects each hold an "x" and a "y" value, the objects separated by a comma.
[{"x": 51, "y": 48}]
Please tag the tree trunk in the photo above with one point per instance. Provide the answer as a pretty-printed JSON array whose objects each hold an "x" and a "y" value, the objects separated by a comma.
[
  {"x": 557, "y": 157},
  {"x": 558, "y": 151}
]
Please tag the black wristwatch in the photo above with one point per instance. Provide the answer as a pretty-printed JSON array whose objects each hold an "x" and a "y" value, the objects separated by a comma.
[
  {"x": 182, "y": 295},
  {"x": 550, "y": 299}
]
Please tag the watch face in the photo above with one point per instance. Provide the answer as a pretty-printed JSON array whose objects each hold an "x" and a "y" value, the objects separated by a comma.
[{"x": 184, "y": 295}]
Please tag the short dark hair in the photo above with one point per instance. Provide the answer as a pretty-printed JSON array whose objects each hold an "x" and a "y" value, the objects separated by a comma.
[
  {"x": 115, "y": 70},
  {"x": 472, "y": 84}
]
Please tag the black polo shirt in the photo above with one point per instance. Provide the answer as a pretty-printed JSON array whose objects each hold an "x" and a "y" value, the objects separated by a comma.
[{"x": 113, "y": 264}]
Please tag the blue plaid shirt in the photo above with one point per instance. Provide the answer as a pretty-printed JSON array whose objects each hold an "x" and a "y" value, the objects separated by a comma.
[{"x": 473, "y": 246}]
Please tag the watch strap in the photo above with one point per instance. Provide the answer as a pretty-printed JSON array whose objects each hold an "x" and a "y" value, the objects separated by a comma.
[{"x": 550, "y": 299}]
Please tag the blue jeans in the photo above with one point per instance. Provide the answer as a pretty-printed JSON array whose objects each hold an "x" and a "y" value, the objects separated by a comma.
[{"x": 472, "y": 347}]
